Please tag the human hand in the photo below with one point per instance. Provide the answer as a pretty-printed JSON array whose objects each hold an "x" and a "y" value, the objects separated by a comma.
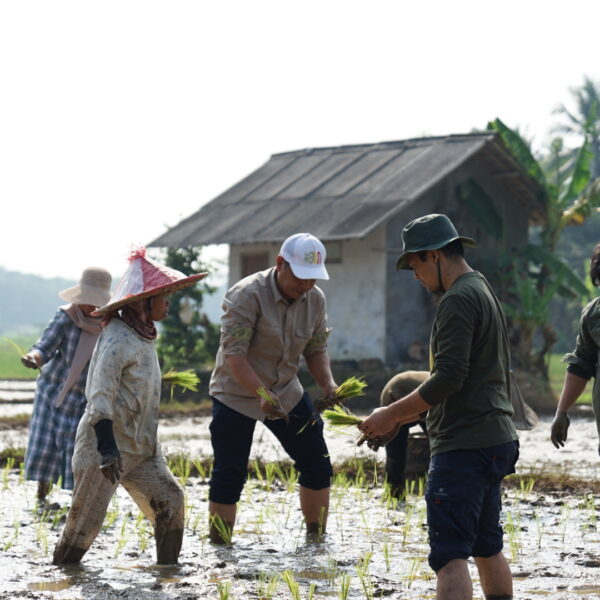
[
  {"x": 328, "y": 400},
  {"x": 112, "y": 467},
  {"x": 374, "y": 443},
  {"x": 271, "y": 407},
  {"x": 379, "y": 423},
  {"x": 559, "y": 429},
  {"x": 29, "y": 360}
]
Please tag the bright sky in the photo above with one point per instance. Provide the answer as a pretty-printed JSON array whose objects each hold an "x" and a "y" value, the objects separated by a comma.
[{"x": 119, "y": 118}]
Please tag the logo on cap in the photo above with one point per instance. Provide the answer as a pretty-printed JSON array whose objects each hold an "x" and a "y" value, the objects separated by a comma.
[{"x": 312, "y": 258}]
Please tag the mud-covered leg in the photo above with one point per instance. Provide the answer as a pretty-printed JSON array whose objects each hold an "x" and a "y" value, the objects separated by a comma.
[
  {"x": 91, "y": 496},
  {"x": 160, "y": 497}
]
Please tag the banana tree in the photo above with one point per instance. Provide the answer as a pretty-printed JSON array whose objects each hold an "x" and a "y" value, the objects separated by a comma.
[{"x": 537, "y": 274}]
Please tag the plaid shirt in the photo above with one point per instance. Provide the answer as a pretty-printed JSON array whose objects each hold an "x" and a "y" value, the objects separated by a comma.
[{"x": 52, "y": 429}]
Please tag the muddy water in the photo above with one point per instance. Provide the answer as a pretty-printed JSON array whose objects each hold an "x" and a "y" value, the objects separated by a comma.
[
  {"x": 552, "y": 541},
  {"x": 378, "y": 548}
]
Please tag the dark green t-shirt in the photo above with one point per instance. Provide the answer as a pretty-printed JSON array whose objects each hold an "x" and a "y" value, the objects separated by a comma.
[{"x": 469, "y": 384}]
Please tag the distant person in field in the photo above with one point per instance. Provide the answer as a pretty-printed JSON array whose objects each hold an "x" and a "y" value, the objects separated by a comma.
[
  {"x": 472, "y": 438},
  {"x": 271, "y": 319},
  {"x": 117, "y": 439},
  {"x": 583, "y": 362},
  {"x": 63, "y": 353}
]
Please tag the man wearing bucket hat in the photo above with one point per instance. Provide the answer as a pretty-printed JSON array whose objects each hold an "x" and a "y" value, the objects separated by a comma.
[
  {"x": 117, "y": 436},
  {"x": 63, "y": 353},
  {"x": 270, "y": 320},
  {"x": 472, "y": 437}
]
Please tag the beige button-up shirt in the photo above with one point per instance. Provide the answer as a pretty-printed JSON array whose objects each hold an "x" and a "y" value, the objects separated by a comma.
[
  {"x": 123, "y": 385},
  {"x": 259, "y": 323}
]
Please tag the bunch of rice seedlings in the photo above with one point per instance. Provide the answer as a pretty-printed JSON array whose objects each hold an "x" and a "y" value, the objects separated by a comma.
[
  {"x": 352, "y": 387},
  {"x": 186, "y": 380},
  {"x": 340, "y": 417},
  {"x": 262, "y": 392}
]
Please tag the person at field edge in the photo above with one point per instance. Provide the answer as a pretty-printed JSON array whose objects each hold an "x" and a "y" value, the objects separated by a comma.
[
  {"x": 270, "y": 320},
  {"x": 582, "y": 363},
  {"x": 473, "y": 441},
  {"x": 117, "y": 439},
  {"x": 63, "y": 354}
]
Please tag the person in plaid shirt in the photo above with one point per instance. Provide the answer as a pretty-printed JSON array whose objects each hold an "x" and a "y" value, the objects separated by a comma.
[{"x": 63, "y": 353}]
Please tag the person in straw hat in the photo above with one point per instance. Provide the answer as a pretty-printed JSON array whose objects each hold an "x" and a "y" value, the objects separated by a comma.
[
  {"x": 64, "y": 350},
  {"x": 116, "y": 439}
]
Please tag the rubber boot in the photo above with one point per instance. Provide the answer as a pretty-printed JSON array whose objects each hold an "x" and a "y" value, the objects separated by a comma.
[{"x": 42, "y": 490}]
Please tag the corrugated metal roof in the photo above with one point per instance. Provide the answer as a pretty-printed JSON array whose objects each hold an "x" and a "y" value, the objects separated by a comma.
[{"x": 339, "y": 193}]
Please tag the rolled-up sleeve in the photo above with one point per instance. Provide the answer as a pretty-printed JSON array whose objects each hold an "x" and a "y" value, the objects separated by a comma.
[
  {"x": 585, "y": 355},
  {"x": 237, "y": 323},
  {"x": 318, "y": 341},
  {"x": 104, "y": 379},
  {"x": 454, "y": 334}
]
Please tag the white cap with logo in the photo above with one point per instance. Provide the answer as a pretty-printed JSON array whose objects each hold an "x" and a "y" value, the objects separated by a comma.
[{"x": 306, "y": 255}]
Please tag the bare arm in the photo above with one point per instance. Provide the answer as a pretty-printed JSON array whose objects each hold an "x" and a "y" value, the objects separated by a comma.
[
  {"x": 573, "y": 387},
  {"x": 320, "y": 368}
]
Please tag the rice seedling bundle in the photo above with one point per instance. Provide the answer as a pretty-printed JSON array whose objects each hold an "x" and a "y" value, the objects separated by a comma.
[
  {"x": 352, "y": 387},
  {"x": 340, "y": 417},
  {"x": 186, "y": 380}
]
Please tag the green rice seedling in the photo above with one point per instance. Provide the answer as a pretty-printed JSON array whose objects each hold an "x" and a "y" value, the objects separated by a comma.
[
  {"x": 350, "y": 388},
  {"x": 112, "y": 514},
  {"x": 331, "y": 570},
  {"x": 41, "y": 532},
  {"x": 362, "y": 571},
  {"x": 311, "y": 591},
  {"x": 539, "y": 523},
  {"x": 122, "y": 541},
  {"x": 199, "y": 466},
  {"x": 413, "y": 570},
  {"x": 512, "y": 529},
  {"x": 267, "y": 585},
  {"x": 407, "y": 524},
  {"x": 224, "y": 590},
  {"x": 344, "y": 589},
  {"x": 58, "y": 515},
  {"x": 223, "y": 529},
  {"x": 264, "y": 394},
  {"x": 387, "y": 550},
  {"x": 257, "y": 470},
  {"x": 338, "y": 416},
  {"x": 181, "y": 467},
  {"x": 141, "y": 527},
  {"x": 186, "y": 380},
  {"x": 15, "y": 536},
  {"x": 590, "y": 505},
  {"x": 22, "y": 472},
  {"x": 526, "y": 486},
  {"x": 10, "y": 461},
  {"x": 293, "y": 585},
  {"x": 270, "y": 474}
]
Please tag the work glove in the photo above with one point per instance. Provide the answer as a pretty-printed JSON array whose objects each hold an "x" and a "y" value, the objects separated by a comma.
[
  {"x": 111, "y": 464},
  {"x": 560, "y": 426}
]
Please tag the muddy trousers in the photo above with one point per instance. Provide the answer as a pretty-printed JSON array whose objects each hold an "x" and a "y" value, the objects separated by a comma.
[{"x": 153, "y": 488}]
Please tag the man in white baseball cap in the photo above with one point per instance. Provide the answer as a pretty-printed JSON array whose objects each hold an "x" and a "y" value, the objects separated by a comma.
[{"x": 270, "y": 320}]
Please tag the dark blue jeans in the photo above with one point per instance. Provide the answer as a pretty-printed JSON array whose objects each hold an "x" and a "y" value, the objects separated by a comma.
[
  {"x": 231, "y": 438},
  {"x": 464, "y": 503}
]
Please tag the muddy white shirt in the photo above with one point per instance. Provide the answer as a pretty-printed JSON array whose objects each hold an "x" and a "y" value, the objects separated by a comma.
[
  {"x": 124, "y": 386},
  {"x": 259, "y": 323}
]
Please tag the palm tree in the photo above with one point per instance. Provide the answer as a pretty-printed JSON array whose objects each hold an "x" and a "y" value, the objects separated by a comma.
[{"x": 585, "y": 121}]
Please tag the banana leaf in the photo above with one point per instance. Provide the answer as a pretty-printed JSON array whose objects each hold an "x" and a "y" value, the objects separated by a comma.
[
  {"x": 581, "y": 174},
  {"x": 558, "y": 267},
  {"x": 519, "y": 149}
]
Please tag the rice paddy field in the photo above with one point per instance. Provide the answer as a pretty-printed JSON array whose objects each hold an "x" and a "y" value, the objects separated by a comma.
[{"x": 375, "y": 545}]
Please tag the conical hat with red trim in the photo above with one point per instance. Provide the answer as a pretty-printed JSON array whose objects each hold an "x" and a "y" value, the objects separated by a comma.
[{"x": 145, "y": 278}]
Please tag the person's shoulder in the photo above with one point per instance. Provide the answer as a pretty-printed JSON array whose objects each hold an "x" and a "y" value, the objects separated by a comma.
[
  {"x": 317, "y": 294},
  {"x": 592, "y": 309},
  {"x": 255, "y": 281}
]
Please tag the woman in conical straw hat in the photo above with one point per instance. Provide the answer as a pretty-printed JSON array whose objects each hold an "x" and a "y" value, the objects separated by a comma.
[
  {"x": 116, "y": 439},
  {"x": 63, "y": 353}
]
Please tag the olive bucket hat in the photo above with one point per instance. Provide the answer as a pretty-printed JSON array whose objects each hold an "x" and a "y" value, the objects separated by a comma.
[{"x": 430, "y": 232}]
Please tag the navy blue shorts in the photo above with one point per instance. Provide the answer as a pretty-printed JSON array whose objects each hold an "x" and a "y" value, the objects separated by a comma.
[
  {"x": 464, "y": 503},
  {"x": 231, "y": 438}
]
